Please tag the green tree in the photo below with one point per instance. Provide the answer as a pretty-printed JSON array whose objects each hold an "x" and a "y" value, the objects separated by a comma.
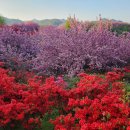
[
  {"x": 67, "y": 24},
  {"x": 2, "y": 21}
]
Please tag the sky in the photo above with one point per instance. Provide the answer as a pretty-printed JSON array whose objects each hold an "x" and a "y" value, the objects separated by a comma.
[{"x": 83, "y": 9}]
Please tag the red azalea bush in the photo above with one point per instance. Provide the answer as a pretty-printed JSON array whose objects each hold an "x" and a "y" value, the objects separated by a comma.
[
  {"x": 96, "y": 103},
  {"x": 23, "y": 105}
]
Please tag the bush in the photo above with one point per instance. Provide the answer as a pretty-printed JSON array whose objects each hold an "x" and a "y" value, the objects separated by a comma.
[
  {"x": 30, "y": 28},
  {"x": 2, "y": 21},
  {"x": 75, "y": 50},
  {"x": 57, "y": 51},
  {"x": 17, "y": 50},
  {"x": 120, "y": 27},
  {"x": 95, "y": 104},
  {"x": 23, "y": 105}
]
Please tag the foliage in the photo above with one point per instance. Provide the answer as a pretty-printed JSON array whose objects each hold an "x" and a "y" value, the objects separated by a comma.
[
  {"x": 67, "y": 24},
  {"x": 28, "y": 27},
  {"x": 120, "y": 27},
  {"x": 17, "y": 49},
  {"x": 46, "y": 125},
  {"x": 58, "y": 51},
  {"x": 71, "y": 82},
  {"x": 2, "y": 21},
  {"x": 22, "y": 105},
  {"x": 75, "y": 50},
  {"x": 94, "y": 103}
]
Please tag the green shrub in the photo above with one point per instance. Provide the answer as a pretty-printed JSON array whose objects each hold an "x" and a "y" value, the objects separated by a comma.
[{"x": 2, "y": 21}]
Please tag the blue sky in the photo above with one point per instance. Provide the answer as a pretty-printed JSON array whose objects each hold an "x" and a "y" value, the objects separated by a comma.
[{"x": 83, "y": 9}]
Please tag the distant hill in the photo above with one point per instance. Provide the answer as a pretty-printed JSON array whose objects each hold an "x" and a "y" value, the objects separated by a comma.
[
  {"x": 45, "y": 22},
  {"x": 9, "y": 21},
  {"x": 113, "y": 20},
  {"x": 55, "y": 22}
]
